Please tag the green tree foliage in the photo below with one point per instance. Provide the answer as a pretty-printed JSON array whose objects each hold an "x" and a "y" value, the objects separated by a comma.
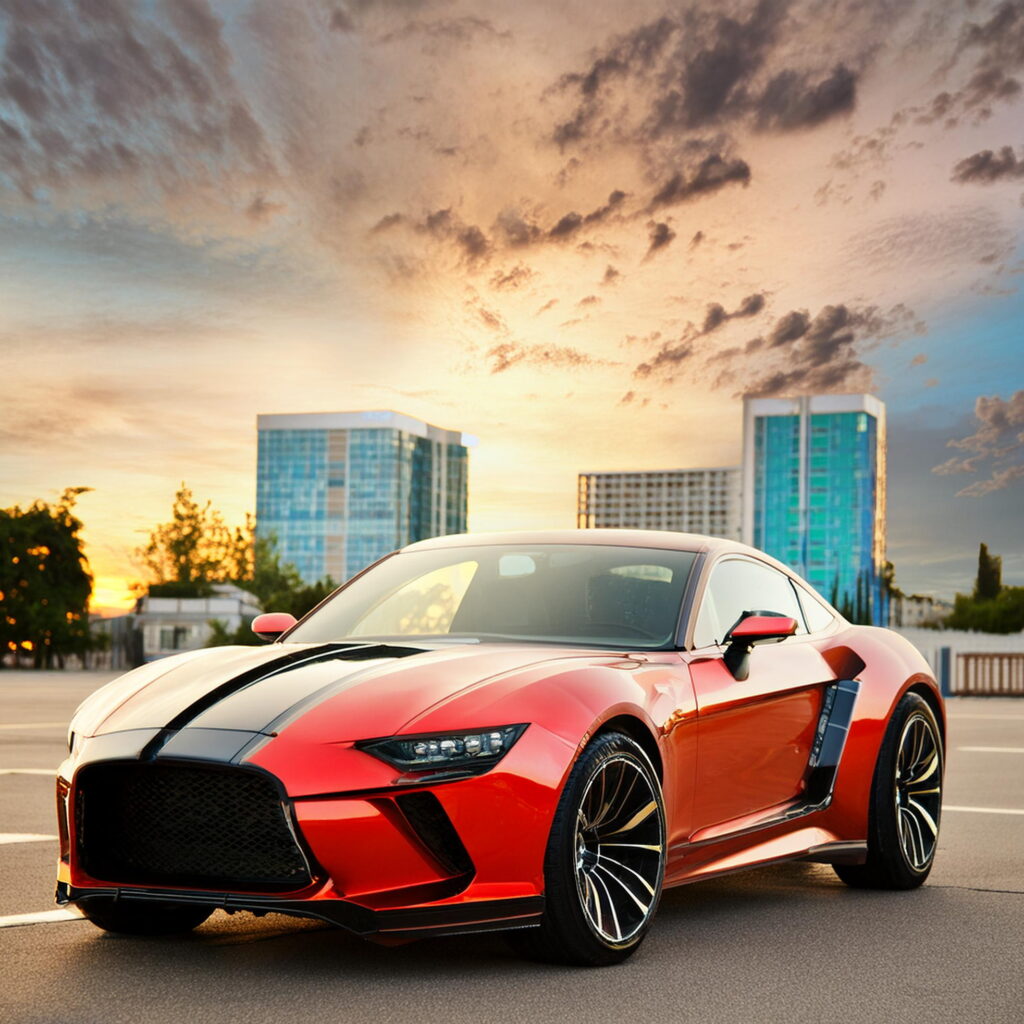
[
  {"x": 186, "y": 556},
  {"x": 989, "y": 581},
  {"x": 45, "y": 583},
  {"x": 194, "y": 550},
  {"x": 991, "y": 608}
]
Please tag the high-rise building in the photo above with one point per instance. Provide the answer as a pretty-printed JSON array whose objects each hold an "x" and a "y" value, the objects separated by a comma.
[
  {"x": 338, "y": 490},
  {"x": 687, "y": 500},
  {"x": 814, "y": 493}
]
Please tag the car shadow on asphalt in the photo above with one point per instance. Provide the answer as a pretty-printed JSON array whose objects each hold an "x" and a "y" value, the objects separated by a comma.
[{"x": 732, "y": 911}]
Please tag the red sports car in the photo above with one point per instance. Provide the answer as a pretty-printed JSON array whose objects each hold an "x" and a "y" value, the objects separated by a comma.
[{"x": 531, "y": 731}]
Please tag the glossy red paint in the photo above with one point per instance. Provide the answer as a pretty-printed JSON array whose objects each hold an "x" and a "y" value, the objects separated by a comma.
[
  {"x": 732, "y": 755},
  {"x": 763, "y": 627},
  {"x": 270, "y": 625}
]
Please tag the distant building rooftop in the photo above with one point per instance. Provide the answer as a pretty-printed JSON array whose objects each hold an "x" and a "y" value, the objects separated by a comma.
[{"x": 368, "y": 419}]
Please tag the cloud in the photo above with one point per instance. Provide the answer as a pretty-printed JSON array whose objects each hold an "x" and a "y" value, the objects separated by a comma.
[
  {"x": 445, "y": 226},
  {"x": 458, "y": 30},
  {"x": 660, "y": 235},
  {"x": 1000, "y": 480},
  {"x": 713, "y": 173},
  {"x": 666, "y": 361},
  {"x": 611, "y": 275},
  {"x": 511, "y": 353},
  {"x": 986, "y": 167},
  {"x": 790, "y": 101},
  {"x": 996, "y": 446},
  {"x": 1000, "y": 46},
  {"x": 163, "y": 88},
  {"x": 698, "y": 68},
  {"x": 801, "y": 354},
  {"x": 261, "y": 209},
  {"x": 716, "y": 314},
  {"x": 515, "y": 228},
  {"x": 512, "y": 279}
]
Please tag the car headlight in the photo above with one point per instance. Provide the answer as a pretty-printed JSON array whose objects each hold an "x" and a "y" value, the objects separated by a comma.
[{"x": 475, "y": 750}]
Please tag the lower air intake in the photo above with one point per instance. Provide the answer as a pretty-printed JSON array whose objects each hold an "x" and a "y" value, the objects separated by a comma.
[{"x": 186, "y": 826}]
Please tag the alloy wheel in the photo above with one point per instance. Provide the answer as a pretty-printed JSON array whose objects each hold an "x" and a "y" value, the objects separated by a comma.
[
  {"x": 917, "y": 790},
  {"x": 619, "y": 847}
]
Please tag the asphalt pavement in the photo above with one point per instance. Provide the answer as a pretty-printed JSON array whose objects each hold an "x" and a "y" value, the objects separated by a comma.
[{"x": 780, "y": 944}]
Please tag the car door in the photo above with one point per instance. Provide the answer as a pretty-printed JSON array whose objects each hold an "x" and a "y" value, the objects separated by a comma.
[{"x": 754, "y": 735}]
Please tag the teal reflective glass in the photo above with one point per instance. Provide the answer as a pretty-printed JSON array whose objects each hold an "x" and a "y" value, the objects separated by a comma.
[{"x": 834, "y": 550}]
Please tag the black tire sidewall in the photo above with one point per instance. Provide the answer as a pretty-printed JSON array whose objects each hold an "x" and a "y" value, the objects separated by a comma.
[
  {"x": 566, "y": 925},
  {"x": 885, "y": 851}
]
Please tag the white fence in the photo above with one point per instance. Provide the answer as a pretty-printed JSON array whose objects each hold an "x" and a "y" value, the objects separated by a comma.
[{"x": 972, "y": 663}]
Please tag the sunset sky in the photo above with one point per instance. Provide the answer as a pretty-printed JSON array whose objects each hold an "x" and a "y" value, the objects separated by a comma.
[{"x": 575, "y": 230}]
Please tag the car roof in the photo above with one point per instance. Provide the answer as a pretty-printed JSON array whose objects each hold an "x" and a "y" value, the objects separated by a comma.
[{"x": 663, "y": 539}]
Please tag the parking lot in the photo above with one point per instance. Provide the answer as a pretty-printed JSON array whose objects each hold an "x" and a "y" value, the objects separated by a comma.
[{"x": 787, "y": 943}]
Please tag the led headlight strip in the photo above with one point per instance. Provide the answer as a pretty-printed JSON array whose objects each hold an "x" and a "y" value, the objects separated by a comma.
[{"x": 478, "y": 749}]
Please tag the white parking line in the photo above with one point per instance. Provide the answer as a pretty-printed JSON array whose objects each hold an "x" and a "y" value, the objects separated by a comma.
[
  {"x": 42, "y": 917},
  {"x": 984, "y": 810},
  {"x": 994, "y": 750},
  {"x": 29, "y": 771},
  {"x": 25, "y": 837},
  {"x": 34, "y": 725}
]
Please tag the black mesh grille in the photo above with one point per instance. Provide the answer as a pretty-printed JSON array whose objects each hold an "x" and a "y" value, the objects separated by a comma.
[{"x": 205, "y": 828}]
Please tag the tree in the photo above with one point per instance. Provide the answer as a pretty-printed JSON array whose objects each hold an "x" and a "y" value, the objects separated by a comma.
[
  {"x": 991, "y": 608},
  {"x": 196, "y": 549},
  {"x": 186, "y": 556},
  {"x": 989, "y": 581},
  {"x": 45, "y": 583}
]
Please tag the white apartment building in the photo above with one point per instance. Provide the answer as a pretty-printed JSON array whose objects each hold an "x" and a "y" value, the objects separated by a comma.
[{"x": 703, "y": 501}]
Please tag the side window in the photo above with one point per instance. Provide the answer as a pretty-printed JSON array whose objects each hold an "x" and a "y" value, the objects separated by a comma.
[
  {"x": 817, "y": 615},
  {"x": 737, "y": 587},
  {"x": 705, "y": 629}
]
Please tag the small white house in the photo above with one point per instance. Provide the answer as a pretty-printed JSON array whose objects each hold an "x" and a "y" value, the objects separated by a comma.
[{"x": 160, "y": 626}]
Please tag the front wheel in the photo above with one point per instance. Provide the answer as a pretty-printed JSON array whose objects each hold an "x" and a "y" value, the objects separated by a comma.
[
  {"x": 605, "y": 860},
  {"x": 906, "y": 802},
  {"x": 143, "y": 917}
]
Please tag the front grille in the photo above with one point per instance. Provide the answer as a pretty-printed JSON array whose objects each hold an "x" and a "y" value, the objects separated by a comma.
[{"x": 186, "y": 826}]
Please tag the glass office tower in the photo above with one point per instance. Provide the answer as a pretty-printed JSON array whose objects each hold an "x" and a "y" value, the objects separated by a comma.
[
  {"x": 338, "y": 490},
  {"x": 814, "y": 494}
]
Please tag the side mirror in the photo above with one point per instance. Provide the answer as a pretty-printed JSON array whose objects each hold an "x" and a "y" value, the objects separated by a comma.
[
  {"x": 270, "y": 625},
  {"x": 755, "y": 628}
]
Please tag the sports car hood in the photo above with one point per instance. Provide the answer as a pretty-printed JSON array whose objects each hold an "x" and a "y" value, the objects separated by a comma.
[{"x": 365, "y": 690}]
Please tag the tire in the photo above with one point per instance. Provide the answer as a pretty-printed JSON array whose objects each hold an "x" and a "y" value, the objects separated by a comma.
[
  {"x": 906, "y": 802},
  {"x": 143, "y": 917},
  {"x": 599, "y": 904}
]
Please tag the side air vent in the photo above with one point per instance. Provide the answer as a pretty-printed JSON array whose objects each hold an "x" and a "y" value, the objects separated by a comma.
[{"x": 427, "y": 817}]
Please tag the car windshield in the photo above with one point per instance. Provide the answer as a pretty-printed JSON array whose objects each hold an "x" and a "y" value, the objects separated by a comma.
[{"x": 592, "y": 595}]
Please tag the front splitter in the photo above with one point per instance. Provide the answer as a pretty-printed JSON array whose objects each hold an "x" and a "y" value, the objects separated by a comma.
[{"x": 412, "y": 922}]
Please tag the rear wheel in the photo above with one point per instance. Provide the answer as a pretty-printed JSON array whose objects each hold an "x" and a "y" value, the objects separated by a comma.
[
  {"x": 906, "y": 802},
  {"x": 605, "y": 859},
  {"x": 142, "y": 917}
]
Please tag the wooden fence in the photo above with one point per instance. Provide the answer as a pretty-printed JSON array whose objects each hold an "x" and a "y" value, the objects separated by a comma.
[{"x": 990, "y": 674}]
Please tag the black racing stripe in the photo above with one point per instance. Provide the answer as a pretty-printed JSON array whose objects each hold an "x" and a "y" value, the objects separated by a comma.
[{"x": 264, "y": 671}]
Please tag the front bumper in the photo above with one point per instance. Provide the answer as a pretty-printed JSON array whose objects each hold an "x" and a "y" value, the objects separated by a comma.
[{"x": 394, "y": 860}]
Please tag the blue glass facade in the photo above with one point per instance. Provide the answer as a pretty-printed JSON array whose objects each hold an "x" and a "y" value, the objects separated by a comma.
[
  {"x": 339, "y": 497},
  {"x": 818, "y": 482}
]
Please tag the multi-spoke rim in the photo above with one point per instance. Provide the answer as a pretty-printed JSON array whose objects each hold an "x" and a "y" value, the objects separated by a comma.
[
  {"x": 619, "y": 849},
  {"x": 917, "y": 790}
]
